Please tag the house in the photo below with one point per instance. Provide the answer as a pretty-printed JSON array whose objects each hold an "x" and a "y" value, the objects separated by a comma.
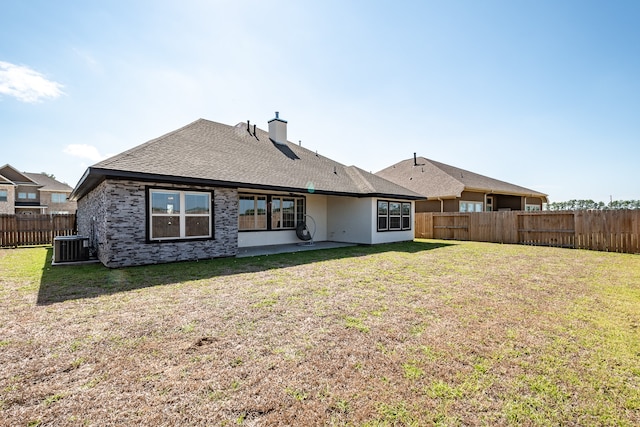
[
  {"x": 207, "y": 189},
  {"x": 33, "y": 193},
  {"x": 451, "y": 189}
]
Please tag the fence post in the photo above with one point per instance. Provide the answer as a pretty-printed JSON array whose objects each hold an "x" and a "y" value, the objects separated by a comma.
[{"x": 617, "y": 231}]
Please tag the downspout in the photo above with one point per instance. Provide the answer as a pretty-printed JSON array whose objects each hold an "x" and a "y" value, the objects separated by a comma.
[{"x": 441, "y": 204}]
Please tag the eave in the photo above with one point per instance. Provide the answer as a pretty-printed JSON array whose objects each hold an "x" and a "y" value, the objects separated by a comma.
[{"x": 94, "y": 176}]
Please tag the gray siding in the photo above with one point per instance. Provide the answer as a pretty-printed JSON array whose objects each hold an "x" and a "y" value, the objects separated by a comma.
[{"x": 113, "y": 216}]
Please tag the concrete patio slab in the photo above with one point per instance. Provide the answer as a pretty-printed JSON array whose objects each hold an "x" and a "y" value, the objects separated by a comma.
[{"x": 289, "y": 248}]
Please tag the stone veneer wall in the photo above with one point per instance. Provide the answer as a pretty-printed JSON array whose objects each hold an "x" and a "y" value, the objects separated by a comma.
[{"x": 113, "y": 216}]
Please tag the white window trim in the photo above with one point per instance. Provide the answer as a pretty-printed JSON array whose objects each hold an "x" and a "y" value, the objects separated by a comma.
[
  {"x": 182, "y": 214},
  {"x": 388, "y": 216},
  {"x": 488, "y": 207},
  {"x": 467, "y": 202},
  {"x": 398, "y": 216}
]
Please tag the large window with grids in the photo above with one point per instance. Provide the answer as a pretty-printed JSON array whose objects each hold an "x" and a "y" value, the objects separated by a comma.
[
  {"x": 179, "y": 214},
  {"x": 269, "y": 212},
  {"x": 394, "y": 216},
  {"x": 471, "y": 206}
]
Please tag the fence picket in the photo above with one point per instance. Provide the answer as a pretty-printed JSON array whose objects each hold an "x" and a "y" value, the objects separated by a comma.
[
  {"x": 615, "y": 231},
  {"x": 23, "y": 230}
]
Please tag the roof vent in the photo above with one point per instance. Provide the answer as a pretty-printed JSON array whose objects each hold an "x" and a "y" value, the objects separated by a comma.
[{"x": 278, "y": 130}]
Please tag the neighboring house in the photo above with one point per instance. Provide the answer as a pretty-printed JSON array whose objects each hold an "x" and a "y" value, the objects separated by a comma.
[
  {"x": 33, "y": 193},
  {"x": 207, "y": 189},
  {"x": 451, "y": 189}
]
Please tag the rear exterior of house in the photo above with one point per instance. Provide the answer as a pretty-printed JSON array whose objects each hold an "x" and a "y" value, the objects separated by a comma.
[
  {"x": 208, "y": 189},
  {"x": 447, "y": 188}
]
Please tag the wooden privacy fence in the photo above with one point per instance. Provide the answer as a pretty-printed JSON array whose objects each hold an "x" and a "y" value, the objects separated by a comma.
[
  {"x": 614, "y": 231},
  {"x": 23, "y": 230}
]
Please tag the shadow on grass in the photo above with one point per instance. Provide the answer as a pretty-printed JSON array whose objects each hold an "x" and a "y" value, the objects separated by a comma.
[{"x": 68, "y": 282}]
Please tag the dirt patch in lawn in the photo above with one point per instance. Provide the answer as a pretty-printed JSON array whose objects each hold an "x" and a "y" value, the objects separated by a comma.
[{"x": 422, "y": 333}]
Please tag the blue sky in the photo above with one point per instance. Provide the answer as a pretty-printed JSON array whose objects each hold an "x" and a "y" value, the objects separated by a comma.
[{"x": 543, "y": 94}]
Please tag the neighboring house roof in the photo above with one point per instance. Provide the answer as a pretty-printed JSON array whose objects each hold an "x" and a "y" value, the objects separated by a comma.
[
  {"x": 210, "y": 153},
  {"x": 12, "y": 175},
  {"x": 437, "y": 180},
  {"x": 48, "y": 183}
]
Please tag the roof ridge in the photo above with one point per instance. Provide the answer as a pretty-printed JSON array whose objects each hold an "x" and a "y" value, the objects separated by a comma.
[
  {"x": 214, "y": 153},
  {"x": 355, "y": 174},
  {"x": 438, "y": 166},
  {"x": 475, "y": 174}
]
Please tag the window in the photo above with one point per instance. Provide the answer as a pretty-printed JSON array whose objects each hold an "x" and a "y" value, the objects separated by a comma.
[
  {"x": 252, "y": 214},
  {"x": 383, "y": 215},
  {"x": 3, "y": 195},
  {"x": 25, "y": 195},
  {"x": 489, "y": 203},
  {"x": 179, "y": 214},
  {"x": 471, "y": 206},
  {"x": 394, "y": 216},
  {"x": 267, "y": 212},
  {"x": 58, "y": 198},
  {"x": 283, "y": 212},
  {"x": 531, "y": 208},
  {"x": 406, "y": 216}
]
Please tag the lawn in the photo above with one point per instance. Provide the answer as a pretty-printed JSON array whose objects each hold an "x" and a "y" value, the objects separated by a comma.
[{"x": 418, "y": 333}]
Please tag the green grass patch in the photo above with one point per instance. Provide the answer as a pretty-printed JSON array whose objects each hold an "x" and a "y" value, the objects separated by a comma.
[{"x": 414, "y": 333}]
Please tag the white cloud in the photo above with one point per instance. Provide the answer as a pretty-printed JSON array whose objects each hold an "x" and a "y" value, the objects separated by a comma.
[
  {"x": 84, "y": 151},
  {"x": 25, "y": 84}
]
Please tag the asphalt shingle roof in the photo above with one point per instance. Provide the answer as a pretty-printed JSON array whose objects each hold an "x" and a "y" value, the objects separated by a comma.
[
  {"x": 434, "y": 179},
  {"x": 219, "y": 153},
  {"x": 48, "y": 183}
]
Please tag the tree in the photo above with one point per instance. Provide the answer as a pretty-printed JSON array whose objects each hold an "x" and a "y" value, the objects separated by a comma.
[{"x": 577, "y": 205}]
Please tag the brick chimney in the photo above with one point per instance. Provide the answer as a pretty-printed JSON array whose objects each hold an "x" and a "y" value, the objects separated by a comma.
[{"x": 278, "y": 130}]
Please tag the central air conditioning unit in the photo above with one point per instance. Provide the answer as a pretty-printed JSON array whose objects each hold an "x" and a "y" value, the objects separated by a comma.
[{"x": 70, "y": 249}]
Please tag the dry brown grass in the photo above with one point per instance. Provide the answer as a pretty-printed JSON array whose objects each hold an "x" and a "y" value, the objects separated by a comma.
[{"x": 422, "y": 333}]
